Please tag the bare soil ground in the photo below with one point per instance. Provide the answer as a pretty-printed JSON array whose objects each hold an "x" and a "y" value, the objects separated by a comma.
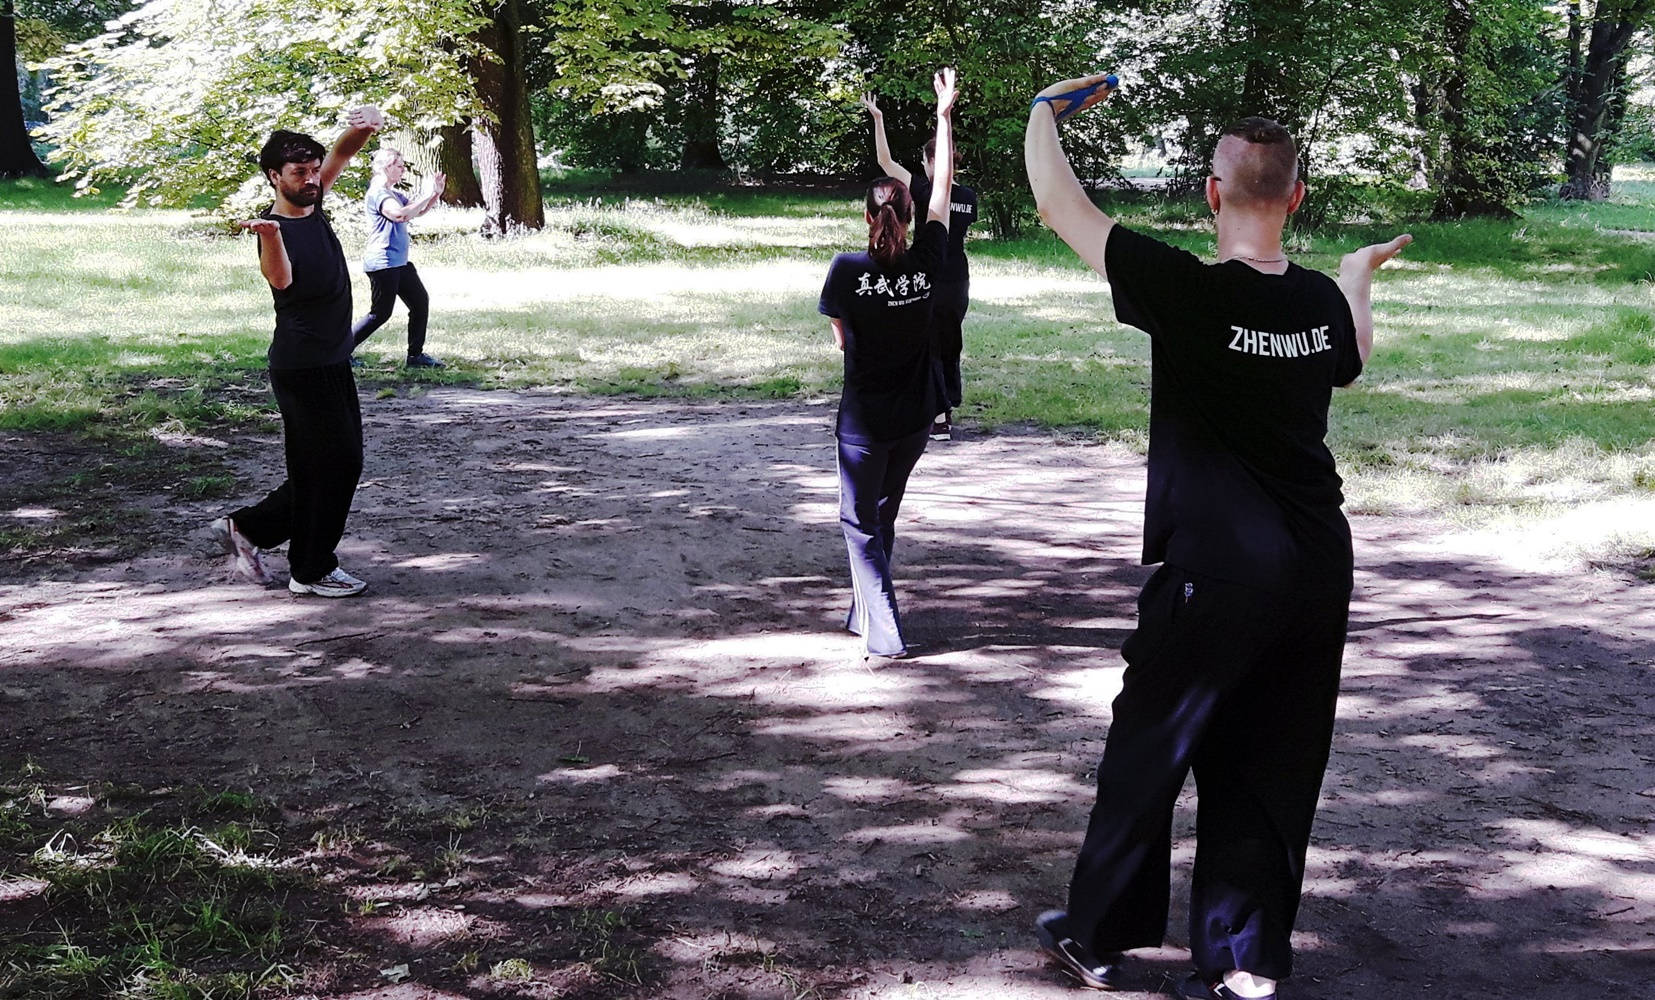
[{"x": 596, "y": 714}]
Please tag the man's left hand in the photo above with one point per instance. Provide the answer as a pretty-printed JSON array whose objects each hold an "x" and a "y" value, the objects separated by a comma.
[
  {"x": 366, "y": 117},
  {"x": 1371, "y": 258}
]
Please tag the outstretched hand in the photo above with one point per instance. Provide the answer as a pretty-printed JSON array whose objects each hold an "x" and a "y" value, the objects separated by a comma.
[
  {"x": 1071, "y": 97},
  {"x": 1364, "y": 262},
  {"x": 439, "y": 180},
  {"x": 262, "y": 227},
  {"x": 945, "y": 83},
  {"x": 871, "y": 104}
]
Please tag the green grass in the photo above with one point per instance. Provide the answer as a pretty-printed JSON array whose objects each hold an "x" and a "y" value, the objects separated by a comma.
[
  {"x": 1513, "y": 366},
  {"x": 174, "y": 899}
]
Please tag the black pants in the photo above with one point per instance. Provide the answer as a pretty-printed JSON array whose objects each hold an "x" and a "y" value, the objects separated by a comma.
[
  {"x": 1240, "y": 685},
  {"x": 322, "y": 435},
  {"x": 388, "y": 285},
  {"x": 948, "y": 334},
  {"x": 872, "y": 479}
]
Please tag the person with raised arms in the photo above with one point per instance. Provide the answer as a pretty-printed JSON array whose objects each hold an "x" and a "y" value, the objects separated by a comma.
[
  {"x": 310, "y": 372},
  {"x": 879, "y": 304},
  {"x": 391, "y": 274},
  {"x": 952, "y": 296},
  {"x": 1233, "y": 669}
]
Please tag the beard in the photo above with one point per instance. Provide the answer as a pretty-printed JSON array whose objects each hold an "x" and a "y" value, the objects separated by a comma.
[{"x": 303, "y": 196}]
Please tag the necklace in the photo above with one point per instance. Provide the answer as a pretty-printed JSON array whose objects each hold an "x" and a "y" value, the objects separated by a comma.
[{"x": 1257, "y": 260}]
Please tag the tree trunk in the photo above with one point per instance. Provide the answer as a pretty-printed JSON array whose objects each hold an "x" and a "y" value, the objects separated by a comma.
[
  {"x": 454, "y": 159},
  {"x": 504, "y": 139},
  {"x": 1594, "y": 101},
  {"x": 17, "y": 157},
  {"x": 1464, "y": 190},
  {"x": 1423, "y": 93},
  {"x": 701, "y": 116}
]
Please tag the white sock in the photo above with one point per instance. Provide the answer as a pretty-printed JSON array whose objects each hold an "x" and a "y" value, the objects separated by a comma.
[{"x": 1245, "y": 984}]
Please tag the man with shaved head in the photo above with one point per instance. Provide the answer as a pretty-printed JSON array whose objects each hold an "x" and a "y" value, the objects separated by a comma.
[{"x": 1233, "y": 669}]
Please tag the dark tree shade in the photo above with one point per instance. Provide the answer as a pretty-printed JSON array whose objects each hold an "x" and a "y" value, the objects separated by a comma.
[
  {"x": 17, "y": 158},
  {"x": 454, "y": 159}
]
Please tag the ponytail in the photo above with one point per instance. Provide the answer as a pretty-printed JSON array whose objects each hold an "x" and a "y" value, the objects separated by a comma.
[{"x": 890, "y": 208}]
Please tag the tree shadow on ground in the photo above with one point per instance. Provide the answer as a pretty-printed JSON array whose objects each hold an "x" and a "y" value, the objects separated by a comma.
[{"x": 597, "y": 715}]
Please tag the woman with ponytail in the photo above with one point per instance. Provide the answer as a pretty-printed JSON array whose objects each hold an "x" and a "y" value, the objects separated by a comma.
[
  {"x": 880, "y": 304},
  {"x": 953, "y": 298}
]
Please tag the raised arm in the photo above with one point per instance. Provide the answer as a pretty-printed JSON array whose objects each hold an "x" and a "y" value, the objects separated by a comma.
[
  {"x": 1058, "y": 196},
  {"x": 1356, "y": 271},
  {"x": 397, "y": 212},
  {"x": 881, "y": 146},
  {"x": 942, "y": 175},
  {"x": 273, "y": 261},
  {"x": 359, "y": 125}
]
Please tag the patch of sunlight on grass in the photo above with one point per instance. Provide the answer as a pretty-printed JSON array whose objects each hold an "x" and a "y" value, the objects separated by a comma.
[
  {"x": 460, "y": 290},
  {"x": 1459, "y": 387}
]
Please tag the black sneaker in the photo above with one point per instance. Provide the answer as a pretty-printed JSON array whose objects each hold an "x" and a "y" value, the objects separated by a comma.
[
  {"x": 942, "y": 429},
  {"x": 1194, "y": 988},
  {"x": 1095, "y": 972},
  {"x": 423, "y": 361}
]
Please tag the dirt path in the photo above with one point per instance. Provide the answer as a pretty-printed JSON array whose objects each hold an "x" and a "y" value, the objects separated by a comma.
[{"x": 598, "y": 681}]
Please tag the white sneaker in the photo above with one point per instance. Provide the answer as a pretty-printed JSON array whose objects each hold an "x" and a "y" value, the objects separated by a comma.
[
  {"x": 249, "y": 563},
  {"x": 336, "y": 584},
  {"x": 341, "y": 574}
]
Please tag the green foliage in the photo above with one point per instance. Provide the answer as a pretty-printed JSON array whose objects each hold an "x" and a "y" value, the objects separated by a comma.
[
  {"x": 626, "y": 72},
  {"x": 1336, "y": 74},
  {"x": 174, "y": 100},
  {"x": 1505, "y": 139},
  {"x": 1005, "y": 52}
]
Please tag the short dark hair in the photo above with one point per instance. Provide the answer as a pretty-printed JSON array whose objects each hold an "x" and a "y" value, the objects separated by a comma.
[
  {"x": 931, "y": 151},
  {"x": 284, "y": 147},
  {"x": 1272, "y": 168}
]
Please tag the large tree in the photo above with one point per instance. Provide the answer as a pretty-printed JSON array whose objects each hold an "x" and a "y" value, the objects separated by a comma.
[
  {"x": 503, "y": 135},
  {"x": 1494, "y": 63},
  {"x": 1595, "y": 81},
  {"x": 17, "y": 156},
  {"x": 173, "y": 98}
]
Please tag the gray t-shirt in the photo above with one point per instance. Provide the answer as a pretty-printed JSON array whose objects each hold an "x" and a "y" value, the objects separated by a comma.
[{"x": 387, "y": 240}]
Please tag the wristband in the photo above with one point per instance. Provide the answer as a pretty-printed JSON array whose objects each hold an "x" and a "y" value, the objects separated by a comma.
[{"x": 1075, "y": 97}]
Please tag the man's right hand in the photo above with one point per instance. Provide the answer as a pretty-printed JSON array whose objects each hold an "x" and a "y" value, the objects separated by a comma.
[
  {"x": 872, "y": 105},
  {"x": 262, "y": 227}
]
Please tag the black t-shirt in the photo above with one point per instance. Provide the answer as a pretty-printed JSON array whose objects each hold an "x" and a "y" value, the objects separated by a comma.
[
  {"x": 962, "y": 204},
  {"x": 886, "y": 314},
  {"x": 1243, "y": 364},
  {"x": 313, "y": 314}
]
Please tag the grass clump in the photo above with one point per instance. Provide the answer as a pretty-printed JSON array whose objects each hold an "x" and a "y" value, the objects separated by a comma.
[{"x": 178, "y": 903}]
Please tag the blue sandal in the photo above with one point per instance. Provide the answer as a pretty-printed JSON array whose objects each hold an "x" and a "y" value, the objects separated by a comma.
[{"x": 1075, "y": 97}]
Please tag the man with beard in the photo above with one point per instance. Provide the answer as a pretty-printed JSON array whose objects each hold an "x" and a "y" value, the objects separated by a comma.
[{"x": 310, "y": 372}]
